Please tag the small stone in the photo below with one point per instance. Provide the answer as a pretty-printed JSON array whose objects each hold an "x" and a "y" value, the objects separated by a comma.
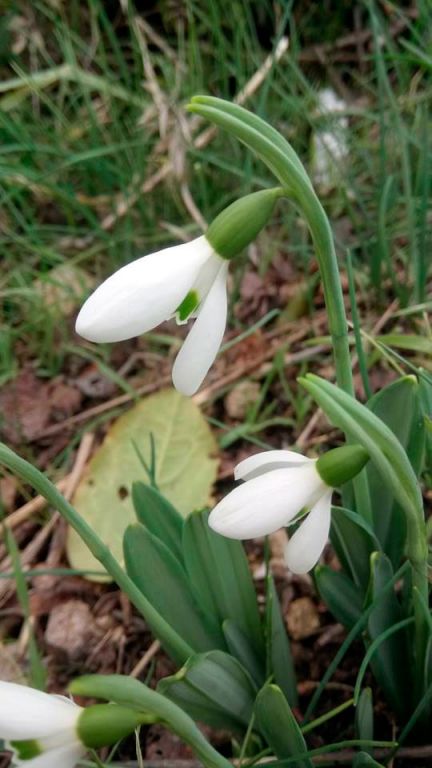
[
  {"x": 71, "y": 629},
  {"x": 240, "y": 398},
  {"x": 302, "y": 618}
]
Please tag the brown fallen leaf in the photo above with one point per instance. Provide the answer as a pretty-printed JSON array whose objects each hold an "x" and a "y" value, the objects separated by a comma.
[
  {"x": 10, "y": 671},
  {"x": 25, "y": 407}
]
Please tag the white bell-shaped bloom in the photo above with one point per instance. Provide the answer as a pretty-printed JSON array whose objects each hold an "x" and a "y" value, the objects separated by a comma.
[
  {"x": 278, "y": 486},
  {"x": 40, "y": 728},
  {"x": 187, "y": 280}
]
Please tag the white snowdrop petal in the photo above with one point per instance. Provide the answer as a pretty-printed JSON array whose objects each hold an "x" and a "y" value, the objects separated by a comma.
[
  {"x": 26, "y": 713},
  {"x": 63, "y": 757},
  {"x": 306, "y": 545},
  {"x": 266, "y": 503},
  {"x": 256, "y": 465},
  {"x": 204, "y": 339},
  {"x": 142, "y": 294}
]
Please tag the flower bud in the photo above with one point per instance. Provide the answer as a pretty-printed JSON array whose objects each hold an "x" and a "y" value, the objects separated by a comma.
[
  {"x": 104, "y": 724},
  {"x": 236, "y": 226},
  {"x": 339, "y": 465}
]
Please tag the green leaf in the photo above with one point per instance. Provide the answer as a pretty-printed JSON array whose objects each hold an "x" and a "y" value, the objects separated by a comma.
[
  {"x": 136, "y": 695},
  {"x": 398, "y": 406},
  {"x": 278, "y": 646},
  {"x": 240, "y": 647},
  {"x": 185, "y": 471},
  {"x": 220, "y": 577},
  {"x": 343, "y": 598},
  {"x": 278, "y": 725},
  {"x": 354, "y": 541},
  {"x": 162, "y": 579},
  {"x": 214, "y": 689},
  {"x": 385, "y": 450},
  {"x": 364, "y": 717},
  {"x": 363, "y": 760},
  {"x": 158, "y": 516},
  {"x": 391, "y": 661},
  {"x": 408, "y": 342},
  {"x": 425, "y": 394}
]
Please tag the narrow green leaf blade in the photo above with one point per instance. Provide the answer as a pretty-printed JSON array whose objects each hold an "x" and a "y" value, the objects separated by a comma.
[
  {"x": 162, "y": 579},
  {"x": 278, "y": 725},
  {"x": 398, "y": 406},
  {"x": 220, "y": 577},
  {"x": 364, "y": 717},
  {"x": 425, "y": 394},
  {"x": 391, "y": 661},
  {"x": 159, "y": 516},
  {"x": 354, "y": 541},
  {"x": 213, "y": 688},
  {"x": 421, "y": 344},
  {"x": 240, "y": 647},
  {"x": 363, "y": 760},
  {"x": 279, "y": 650},
  {"x": 385, "y": 450},
  {"x": 343, "y": 598}
]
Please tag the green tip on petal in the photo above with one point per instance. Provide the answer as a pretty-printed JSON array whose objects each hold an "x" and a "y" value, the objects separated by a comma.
[
  {"x": 338, "y": 466},
  {"x": 104, "y": 724},
  {"x": 26, "y": 750},
  {"x": 188, "y": 305},
  {"x": 241, "y": 222}
]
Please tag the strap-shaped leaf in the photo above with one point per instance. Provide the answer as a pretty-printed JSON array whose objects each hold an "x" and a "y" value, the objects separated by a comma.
[
  {"x": 162, "y": 579},
  {"x": 364, "y": 717},
  {"x": 354, "y": 541},
  {"x": 363, "y": 760},
  {"x": 340, "y": 594},
  {"x": 392, "y": 661},
  {"x": 220, "y": 577},
  {"x": 278, "y": 725},
  {"x": 278, "y": 646},
  {"x": 398, "y": 406},
  {"x": 425, "y": 386},
  {"x": 213, "y": 688},
  {"x": 240, "y": 647},
  {"x": 158, "y": 515},
  {"x": 385, "y": 450}
]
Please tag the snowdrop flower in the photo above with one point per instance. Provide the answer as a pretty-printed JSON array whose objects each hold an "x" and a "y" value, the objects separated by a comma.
[
  {"x": 41, "y": 729},
  {"x": 330, "y": 146},
  {"x": 279, "y": 485},
  {"x": 47, "y": 731},
  {"x": 185, "y": 281}
]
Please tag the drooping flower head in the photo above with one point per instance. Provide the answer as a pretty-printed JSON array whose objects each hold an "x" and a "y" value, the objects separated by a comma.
[
  {"x": 278, "y": 487},
  {"x": 47, "y": 731},
  {"x": 41, "y": 729},
  {"x": 185, "y": 281}
]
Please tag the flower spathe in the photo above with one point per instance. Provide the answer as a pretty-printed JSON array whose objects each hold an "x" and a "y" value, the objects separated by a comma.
[
  {"x": 278, "y": 486},
  {"x": 40, "y": 728},
  {"x": 187, "y": 280}
]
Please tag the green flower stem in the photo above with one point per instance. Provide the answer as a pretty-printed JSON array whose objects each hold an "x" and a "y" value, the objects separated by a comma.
[
  {"x": 280, "y": 157},
  {"x": 284, "y": 163},
  {"x": 169, "y": 638},
  {"x": 133, "y": 694}
]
